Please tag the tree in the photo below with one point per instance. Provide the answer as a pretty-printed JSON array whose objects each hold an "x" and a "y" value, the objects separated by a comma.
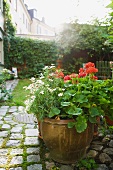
[{"x": 90, "y": 37}]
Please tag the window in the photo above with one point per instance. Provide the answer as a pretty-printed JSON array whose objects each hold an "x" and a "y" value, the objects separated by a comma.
[
  {"x": 28, "y": 27},
  {"x": 38, "y": 29},
  {"x": 20, "y": 31},
  {"x": 15, "y": 5},
  {"x": 26, "y": 23},
  {"x": 46, "y": 32},
  {"x": 23, "y": 19},
  {"x": 35, "y": 13}
]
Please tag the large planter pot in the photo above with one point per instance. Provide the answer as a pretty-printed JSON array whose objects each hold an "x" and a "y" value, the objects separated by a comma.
[{"x": 65, "y": 144}]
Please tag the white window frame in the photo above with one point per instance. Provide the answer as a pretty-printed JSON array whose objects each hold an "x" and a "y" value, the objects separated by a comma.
[
  {"x": 39, "y": 30},
  {"x": 15, "y": 5},
  {"x": 23, "y": 18}
]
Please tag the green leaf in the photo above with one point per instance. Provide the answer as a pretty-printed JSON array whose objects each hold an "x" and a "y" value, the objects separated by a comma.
[
  {"x": 92, "y": 119},
  {"x": 65, "y": 103},
  {"x": 86, "y": 105},
  {"x": 71, "y": 124},
  {"x": 94, "y": 112},
  {"x": 74, "y": 111},
  {"x": 54, "y": 111},
  {"x": 81, "y": 98},
  {"x": 103, "y": 101},
  {"x": 81, "y": 124}
]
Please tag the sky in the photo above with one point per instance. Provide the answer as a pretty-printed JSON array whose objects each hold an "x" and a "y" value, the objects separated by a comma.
[{"x": 57, "y": 12}]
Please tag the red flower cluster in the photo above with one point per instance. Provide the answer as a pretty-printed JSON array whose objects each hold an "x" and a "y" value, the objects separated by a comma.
[
  {"x": 89, "y": 64},
  {"x": 70, "y": 77},
  {"x": 89, "y": 68},
  {"x": 59, "y": 74}
]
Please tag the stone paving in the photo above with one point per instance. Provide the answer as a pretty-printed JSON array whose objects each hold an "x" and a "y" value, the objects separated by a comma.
[
  {"x": 19, "y": 142},
  {"x": 21, "y": 149}
]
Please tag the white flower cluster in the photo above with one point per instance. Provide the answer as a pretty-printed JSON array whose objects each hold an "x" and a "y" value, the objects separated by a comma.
[
  {"x": 49, "y": 67},
  {"x": 29, "y": 102},
  {"x": 34, "y": 85}
]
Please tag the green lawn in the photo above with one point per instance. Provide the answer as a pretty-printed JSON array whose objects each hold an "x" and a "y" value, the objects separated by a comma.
[{"x": 19, "y": 94}]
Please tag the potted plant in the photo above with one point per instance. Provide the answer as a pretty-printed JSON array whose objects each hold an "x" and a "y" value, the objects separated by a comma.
[{"x": 68, "y": 107}]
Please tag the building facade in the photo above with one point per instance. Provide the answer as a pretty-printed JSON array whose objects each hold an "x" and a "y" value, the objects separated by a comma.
[
  {"x": 1, "y": 33},
  {"x": 26, "y": 22}
]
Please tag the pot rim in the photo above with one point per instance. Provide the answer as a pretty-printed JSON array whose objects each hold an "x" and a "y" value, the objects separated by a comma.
[{"x": 55, "y": 121}]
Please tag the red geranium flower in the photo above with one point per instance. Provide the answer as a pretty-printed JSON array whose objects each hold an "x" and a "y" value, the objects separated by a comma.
[
  {"x": 81, "y": 70},
  {"x": 89, "y": 64},
  {"x": 59, "y": 74},
  {"x": 82, "y": 75},
  {"x": 91, "y": 70},
  {"x": 66, "y": 78},
  {"x": 73, "y": 75}
]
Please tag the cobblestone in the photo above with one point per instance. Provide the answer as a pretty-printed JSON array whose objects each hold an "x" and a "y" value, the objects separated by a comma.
[
  {"x": 13, "y": 143},
  {"x": 31, "y": 132},
  {"x": 16, "y": 160},
  {"x": 16, "y": 151}
]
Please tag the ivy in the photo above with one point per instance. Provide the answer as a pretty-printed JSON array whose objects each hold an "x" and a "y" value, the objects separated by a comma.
[
  {"x": 30, "y": 56},
  {"x": 9, "y": 28}
]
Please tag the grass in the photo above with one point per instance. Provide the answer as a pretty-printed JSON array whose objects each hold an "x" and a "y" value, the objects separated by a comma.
[{"x": 19, "y": 94}]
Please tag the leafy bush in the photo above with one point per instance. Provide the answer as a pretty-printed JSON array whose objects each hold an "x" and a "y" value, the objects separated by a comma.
[
  {"x": 4, "y": 93},
  {"x": 29, "y": 56}
]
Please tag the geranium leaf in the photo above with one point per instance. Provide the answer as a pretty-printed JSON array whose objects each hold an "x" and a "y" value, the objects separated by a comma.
[
  {"x": 92, "y": 119},
  {"x": 104, "y": 101},
  {"x": 74, "y": 111},
  {"x": 81, "y": 124},
  {"x": 94, "y": 112},
  {"x": 87, "y": 105},
  {"x": 71, "y": 124},
  {"x": 54, "y": 111},
  {"x": 81, "y": 99}
]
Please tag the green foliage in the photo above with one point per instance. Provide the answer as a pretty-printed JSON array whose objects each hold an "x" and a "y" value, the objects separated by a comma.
[
  {"x": 86, "y": 164},
  {"x": 90, "y": 37},
  {"x": 30, "y": 56},
  {"x": 110, "y": 28},
  {"x": 71, "y": 64},
  {"x": 4, "y": 93},
  {"x": 9, "y": 28}
]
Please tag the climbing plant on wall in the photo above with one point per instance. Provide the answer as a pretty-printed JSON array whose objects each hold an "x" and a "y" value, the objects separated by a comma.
[
  {"x": 30, "y": 56},
  {"x": 9, "y": 30}
]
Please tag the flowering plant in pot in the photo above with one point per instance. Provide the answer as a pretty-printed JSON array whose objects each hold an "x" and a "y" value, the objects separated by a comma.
[{"x": 77, "y": 98}]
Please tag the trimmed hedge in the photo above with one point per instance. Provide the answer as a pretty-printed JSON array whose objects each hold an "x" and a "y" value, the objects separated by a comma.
[{"x": 29, "y": 56}]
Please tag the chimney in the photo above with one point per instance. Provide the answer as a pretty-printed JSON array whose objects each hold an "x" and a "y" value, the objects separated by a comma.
[
  {"x": 26, "y": 6},
  {"x": 43, "y": 20}
]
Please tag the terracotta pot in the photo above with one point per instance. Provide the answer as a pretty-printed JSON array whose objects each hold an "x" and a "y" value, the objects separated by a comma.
[
  {"x": 109, "y": 121},
  {"x": 65, "y": 144},
  {"x": 39, "y": 129}
]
